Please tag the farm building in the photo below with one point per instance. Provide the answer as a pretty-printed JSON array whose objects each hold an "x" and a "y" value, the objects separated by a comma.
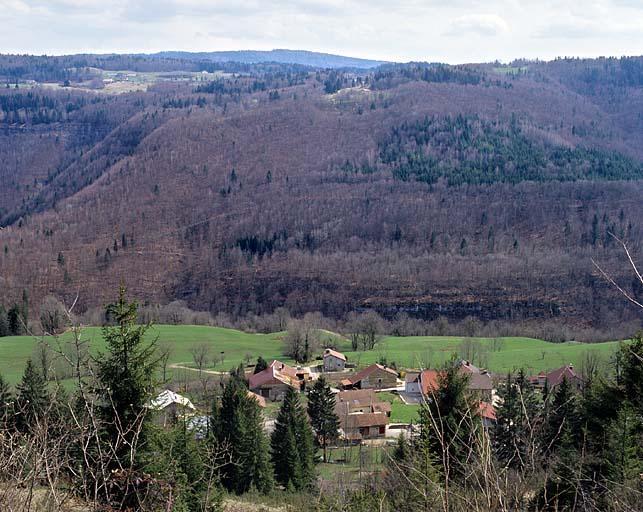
[
  {"x": 361, "y": 414},
  {"x": 170, "y": 406},
  {"x": 422, "y": 383},
  {"x": 375, "y": 376},
  {"x": 273, "y": 382},
  {"x": 334, "y": 361},
  {"x": 555, "y": 377}
]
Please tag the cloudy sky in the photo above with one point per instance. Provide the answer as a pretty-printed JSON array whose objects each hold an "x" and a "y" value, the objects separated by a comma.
[{"x": 452, "y": 31}]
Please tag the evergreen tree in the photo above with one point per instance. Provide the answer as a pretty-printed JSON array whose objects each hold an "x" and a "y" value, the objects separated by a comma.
[
  {"x": 15, "y": 321},
  {"x": 563, "y": 421},
  {"x": 4, "y": 323},
  {"x": 321, "y": 409},
  {"x": 238, "y": 428},
  {"x": 125, "y": 378},
  {"x": 261, "y": 365},
  {"x": 450, "y": 420},
  {"x": 292, "y": 445},
  {"x": 31, "y": 399},
  {"x": 6, "y": 405},
  {"x": 517, "y": 417}
]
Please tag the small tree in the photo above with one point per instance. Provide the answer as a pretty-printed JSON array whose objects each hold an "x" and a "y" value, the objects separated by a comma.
[
  {"x": 6, "y": 405},
  {"x": 53, "y": 315},
  {"x": 321, "y": 409},
  {"x": 125, "y": 379},
  {"x": 292, "y": 445},
  {"x": 261, "y": 365},
  {"x": 31, "y": 399}
]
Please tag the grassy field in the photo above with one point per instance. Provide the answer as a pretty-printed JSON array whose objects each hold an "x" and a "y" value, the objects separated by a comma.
[
  {"x": 407, "y": 352},
  {"x": 400, "y": 412}
]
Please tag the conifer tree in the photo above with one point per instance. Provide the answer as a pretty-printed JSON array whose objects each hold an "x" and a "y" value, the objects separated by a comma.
[
  {"x": 6, "y": 405},
  {"x": 261, "y": 365},
  {"x": 450, "y": 419},
  {"x": 125, "y": 378},
  {"x": 516, "y": 420},
  {"x": 31, "y": 399},
  {"x": 292, "y": 445},
  {"x": 321, "y": 409},
  {"x": 238, "y": 428}
]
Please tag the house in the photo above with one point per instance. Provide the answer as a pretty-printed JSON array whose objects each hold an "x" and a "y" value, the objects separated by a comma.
[
  {"x": 261, "y": 401},
  {"x": 555, "y": 377},
  {"x": 427, "y": 381},
  {"x": 334, "y": 361},
  {"x": 375, "y": 376},
  {"x": 487, "y": 414},
  {"x": 361, "y": 414},
  {"x": 421, "y": 383},
  {"x": 273, "y": 382},
  {"x": 169, "y": 407}
]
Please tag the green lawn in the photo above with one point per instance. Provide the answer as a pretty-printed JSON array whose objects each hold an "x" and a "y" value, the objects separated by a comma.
[
  {"x": 400, "y": 412},
  {"x": 405, "y": 352},
  {"x": 431, "y": 351},
  {"x": 15, "y": 350}
]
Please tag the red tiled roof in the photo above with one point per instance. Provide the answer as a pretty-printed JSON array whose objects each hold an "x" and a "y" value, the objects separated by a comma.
[
  {"x": 429, "y": 381},
  {"x": 487, "y": 411},
  {"x": 334, "y": 353}
]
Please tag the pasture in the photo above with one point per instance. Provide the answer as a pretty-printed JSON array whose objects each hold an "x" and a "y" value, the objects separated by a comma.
[{"x": 229, "y": 347}]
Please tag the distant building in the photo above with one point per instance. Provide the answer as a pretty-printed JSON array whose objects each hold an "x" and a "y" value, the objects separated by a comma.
[
  {"x": 487, "y": 414},
  {"x": 334, "y": 361},
  {"x": 421, "y": 383},
  {"x": 169, "y": 407},
  {"x": 375, "y": 376},
  {"x": 361, "y": 414},
  {"x": 555, "y": 377},
  {"x": 273, "y": 382}
]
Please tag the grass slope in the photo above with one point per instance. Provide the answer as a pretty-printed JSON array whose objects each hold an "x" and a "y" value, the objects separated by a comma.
[{"x": 406, "y": 352}]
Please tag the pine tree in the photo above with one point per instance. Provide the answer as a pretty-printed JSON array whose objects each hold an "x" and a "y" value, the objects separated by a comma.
[
  {"x": 321, "y": 409},
  {"x": 6, "y": 405},
  {"x": 450, "y": 420},
  {"x": 125, "y": 378},
  {"x": 261, "y": 365},
  {"x": 292, "y": 445},
  {"x": 563, "y": 420},
  {"x": 31, "y": 399},
  {"x": 237, "y": 426},
  {"x": 516, "y": 419},
  {"x": 4, "y": 323}
]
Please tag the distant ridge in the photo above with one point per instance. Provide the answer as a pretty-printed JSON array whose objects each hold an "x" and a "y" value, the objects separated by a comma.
[{"x": 303, "y": 57}]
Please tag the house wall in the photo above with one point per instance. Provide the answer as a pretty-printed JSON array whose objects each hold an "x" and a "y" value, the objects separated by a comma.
[
  {"x": 379, "y": 379},
  {"x": 412, "y": 388},
  {"x": 333, "y": 364},
  {"x": 273, "y": 392}
]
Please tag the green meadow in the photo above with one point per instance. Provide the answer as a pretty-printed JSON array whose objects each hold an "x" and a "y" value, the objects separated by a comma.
[{"x": 230, "y": 347}]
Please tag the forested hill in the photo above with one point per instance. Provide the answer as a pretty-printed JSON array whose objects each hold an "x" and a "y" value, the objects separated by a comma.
[
  {"x": 475, "y": 190},
  {"x": 306, "y": 58}
]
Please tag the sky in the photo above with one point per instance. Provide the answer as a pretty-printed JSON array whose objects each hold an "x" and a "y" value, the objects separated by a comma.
[{"x": 453, "y": 31}]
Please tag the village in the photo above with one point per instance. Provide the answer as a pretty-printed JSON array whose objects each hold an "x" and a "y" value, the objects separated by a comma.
[{"x": 362, "y": 396}]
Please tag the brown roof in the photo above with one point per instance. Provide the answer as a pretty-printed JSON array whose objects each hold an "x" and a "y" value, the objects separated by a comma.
[
  {"x": 260, "y": 400},
  {"x": 468, "y": 367},
  {"x": 360, "y": 398},
  {"x": 366, "y": 372},
  {"x": 480, "y": 381},
  {"x": 357, "y": 395},
  {"x": 368, "y": 419},
  {"x": 275, "y": 373},
  {"x": 555, "y": 377},
  {"x": 411, "y": 376},
  {"x": 330, "y": 352}
]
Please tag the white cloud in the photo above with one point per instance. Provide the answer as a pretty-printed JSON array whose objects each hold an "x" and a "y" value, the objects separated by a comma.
[
  {"x": 481, "y": 24},
  {"x": 434, "y": 30}
]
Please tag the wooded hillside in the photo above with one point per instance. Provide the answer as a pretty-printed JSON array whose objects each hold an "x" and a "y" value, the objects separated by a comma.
[{"x": 460, "y": 191}]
